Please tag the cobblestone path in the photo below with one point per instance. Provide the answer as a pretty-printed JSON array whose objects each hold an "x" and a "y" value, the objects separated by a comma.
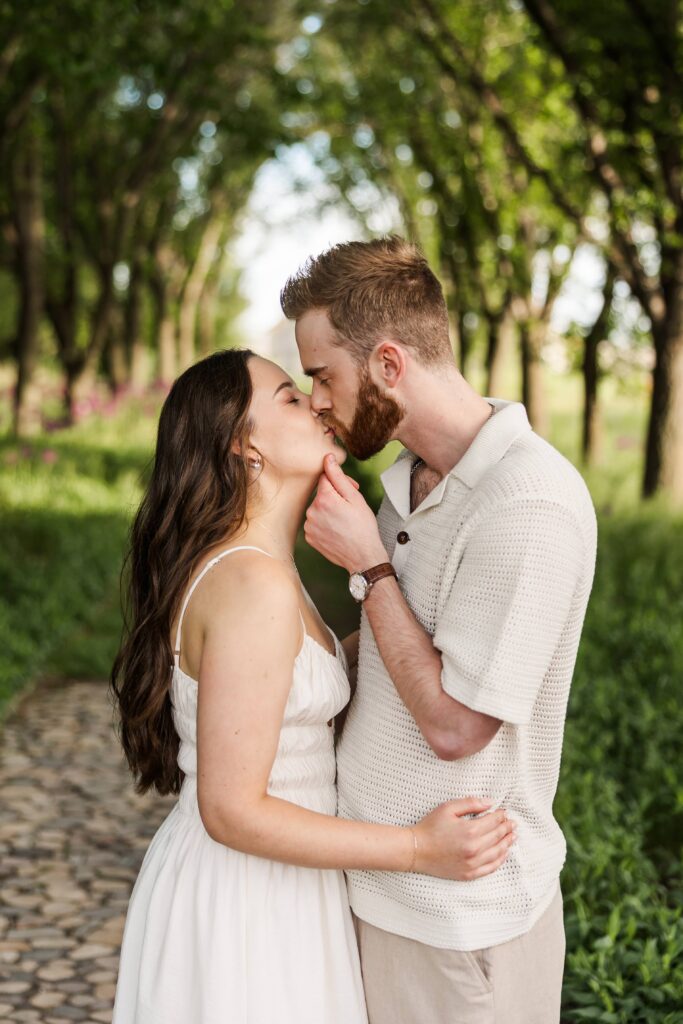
[{"x": 72, "y": 837}]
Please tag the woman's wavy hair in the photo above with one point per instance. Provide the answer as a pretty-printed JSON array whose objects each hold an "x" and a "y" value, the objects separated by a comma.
[{"x": 196, "y": 497}]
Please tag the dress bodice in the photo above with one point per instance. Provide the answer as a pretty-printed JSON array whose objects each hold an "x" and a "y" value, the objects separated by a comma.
[{"x": 304, "y": 768}]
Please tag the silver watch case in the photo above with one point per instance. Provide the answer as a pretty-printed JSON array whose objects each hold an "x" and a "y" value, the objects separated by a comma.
[{"x": 359, "y": 586}]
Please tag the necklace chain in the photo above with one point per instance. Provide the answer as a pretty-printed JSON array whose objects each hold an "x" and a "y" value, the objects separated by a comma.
[{"x": 271, "y": 534}]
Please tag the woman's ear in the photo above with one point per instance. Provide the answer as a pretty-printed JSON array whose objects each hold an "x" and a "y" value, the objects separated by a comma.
[{"x": 254, "y": 458}]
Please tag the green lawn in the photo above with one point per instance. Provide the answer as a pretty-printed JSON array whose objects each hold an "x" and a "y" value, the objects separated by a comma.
[
  {"x": 66, "y": 502},
  {"x": 65, "y": 506}
]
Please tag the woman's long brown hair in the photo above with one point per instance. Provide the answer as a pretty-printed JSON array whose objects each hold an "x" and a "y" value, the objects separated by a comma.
[{"x": 196, "y": 497}]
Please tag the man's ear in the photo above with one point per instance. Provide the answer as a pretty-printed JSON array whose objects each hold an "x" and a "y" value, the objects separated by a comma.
[{"x": 390, "y": 362}]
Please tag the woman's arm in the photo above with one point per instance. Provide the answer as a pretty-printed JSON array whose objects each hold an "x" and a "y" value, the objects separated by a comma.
[
  {"x": 350, "y": 645},
  {"x": 251, "y": 639}
]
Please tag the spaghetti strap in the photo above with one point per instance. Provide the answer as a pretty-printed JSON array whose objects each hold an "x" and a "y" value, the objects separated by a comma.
[
  {"x": 303, "y": 626},
  {"x": 209, "y": 565}
]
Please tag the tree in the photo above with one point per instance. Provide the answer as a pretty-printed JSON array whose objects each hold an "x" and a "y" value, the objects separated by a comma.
[
  {"x": 401, "y": 121},
  {"x": 152, "y": 123},
  {"x": 620, "y": 65}
]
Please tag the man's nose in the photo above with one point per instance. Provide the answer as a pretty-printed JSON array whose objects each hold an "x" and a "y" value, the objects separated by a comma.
[{"x": 319, "y": 403}]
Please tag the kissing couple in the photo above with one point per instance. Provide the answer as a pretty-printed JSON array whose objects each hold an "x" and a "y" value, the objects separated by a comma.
[{"x": 406, "y": 870}]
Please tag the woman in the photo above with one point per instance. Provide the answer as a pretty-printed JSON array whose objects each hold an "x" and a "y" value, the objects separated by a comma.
[{"x": 227, "y": 685}]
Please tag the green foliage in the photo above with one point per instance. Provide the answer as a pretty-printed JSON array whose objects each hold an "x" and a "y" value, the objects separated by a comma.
[
  {"x": 65, "y": 504},
  {"x": 620, "y": 799}
]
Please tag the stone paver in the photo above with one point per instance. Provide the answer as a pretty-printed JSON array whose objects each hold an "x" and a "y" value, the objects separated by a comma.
[{"x": 72, "y": 836}]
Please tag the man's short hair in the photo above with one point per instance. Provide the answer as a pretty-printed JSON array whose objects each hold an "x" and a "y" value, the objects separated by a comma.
[{"x": 374, "y": 290}]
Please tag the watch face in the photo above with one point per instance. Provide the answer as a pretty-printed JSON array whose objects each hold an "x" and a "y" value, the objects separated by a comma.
[{"x": 358, "y": 586}]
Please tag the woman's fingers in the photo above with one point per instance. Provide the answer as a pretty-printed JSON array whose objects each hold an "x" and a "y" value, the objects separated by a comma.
[
  {"x": 468, "y": 805},
  {"x": 488, "y": 869},
  {"x": 491, "y": 840},
  {"x": 493, "y": 857},
  {"x": 487, "y": 823}
]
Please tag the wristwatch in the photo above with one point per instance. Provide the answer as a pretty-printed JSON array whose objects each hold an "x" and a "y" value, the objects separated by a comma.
[{"x": 361, "y": 583}]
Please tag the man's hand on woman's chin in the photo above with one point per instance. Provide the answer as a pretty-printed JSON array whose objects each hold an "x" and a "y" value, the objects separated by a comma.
[{"x": 340, "y": 524}]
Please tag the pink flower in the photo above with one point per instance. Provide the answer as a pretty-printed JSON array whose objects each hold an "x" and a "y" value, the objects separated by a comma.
[{"x": 49, "y": 456}]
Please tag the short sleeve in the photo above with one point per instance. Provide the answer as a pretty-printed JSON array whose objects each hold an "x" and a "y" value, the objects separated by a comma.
[{"x": 508, "y": 606}]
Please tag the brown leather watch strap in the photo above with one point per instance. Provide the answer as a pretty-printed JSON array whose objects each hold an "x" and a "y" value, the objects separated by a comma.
[{"x": 378, "y": 572}]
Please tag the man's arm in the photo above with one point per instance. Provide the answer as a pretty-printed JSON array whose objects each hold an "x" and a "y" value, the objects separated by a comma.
[
  {"x": 343, "y": 528},
  {"x": 450, "y": 728}
]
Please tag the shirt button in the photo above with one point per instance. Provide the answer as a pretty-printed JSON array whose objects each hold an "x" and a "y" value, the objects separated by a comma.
[{"x": 403, "y": 537}]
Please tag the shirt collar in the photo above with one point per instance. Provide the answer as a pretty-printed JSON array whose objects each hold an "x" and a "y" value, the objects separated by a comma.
[{"x": 488, "y": 447}]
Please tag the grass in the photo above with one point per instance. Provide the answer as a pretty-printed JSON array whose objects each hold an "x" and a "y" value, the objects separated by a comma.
[{"x": 65, "y": 507}]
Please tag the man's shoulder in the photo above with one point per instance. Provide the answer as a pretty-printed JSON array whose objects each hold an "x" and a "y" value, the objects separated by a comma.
[
  {"x": 533, "y": 470},
  {"x": 534, "y": 466}
]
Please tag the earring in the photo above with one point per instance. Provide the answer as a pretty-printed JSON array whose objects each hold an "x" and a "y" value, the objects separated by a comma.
[{"x": 256, "y": 463}]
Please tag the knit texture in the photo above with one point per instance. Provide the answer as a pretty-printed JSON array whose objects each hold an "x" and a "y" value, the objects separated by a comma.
[{"x": 498, "y": 571}]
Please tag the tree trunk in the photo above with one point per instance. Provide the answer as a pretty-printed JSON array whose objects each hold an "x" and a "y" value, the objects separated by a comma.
[
  {"x": 62, "y": 314},
  {"x": 206, "y": 321},
  {"x": 63, "y": 296},
  {"x": 168, "y": 357},
  {"x": 139, "y": 366},
  {"x": 99, "y": 324},
  {"x": 164, "y": 329},
  {"x": 30, "y": 227},
  {"x": 118, "y": 367},
  {"x": 499, "y": 354},
  {"x": 464, "y": 345},
  {"x": 533, "y": 395},
  {"x": 591, "y": 427},
  {"x": 492, "y": 339},
  {"x": 71, "y": 371},
  {"x": 194, "y": 283},
  {"x": 672, "y": 455},
  {"x": 134, "y": 342},
  {"x": 664, "y": 446}
]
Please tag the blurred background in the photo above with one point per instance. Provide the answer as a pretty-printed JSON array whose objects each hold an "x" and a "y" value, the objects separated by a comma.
[{"x": 165, "y": 166}]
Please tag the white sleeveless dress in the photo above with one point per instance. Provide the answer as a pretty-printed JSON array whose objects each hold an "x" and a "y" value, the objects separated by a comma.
[{"x": 216, "y": 936}]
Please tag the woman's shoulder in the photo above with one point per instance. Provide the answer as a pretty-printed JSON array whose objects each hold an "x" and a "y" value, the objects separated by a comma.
[{"x": 249, "y": 577}]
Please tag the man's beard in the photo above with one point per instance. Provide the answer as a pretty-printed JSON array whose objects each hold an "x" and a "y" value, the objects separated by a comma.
[{"x": 374, "y": 421}]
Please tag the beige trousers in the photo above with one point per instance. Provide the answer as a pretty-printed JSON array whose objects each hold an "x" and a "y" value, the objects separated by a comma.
[{"x": 517, "y": 982}]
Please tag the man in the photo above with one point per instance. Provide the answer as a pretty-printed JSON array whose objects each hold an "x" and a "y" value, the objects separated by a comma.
[{"x": 474, "y": 581}]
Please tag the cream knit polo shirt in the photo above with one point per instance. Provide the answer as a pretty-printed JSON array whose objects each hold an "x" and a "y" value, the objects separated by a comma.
[{"x": 497, "y": 565}]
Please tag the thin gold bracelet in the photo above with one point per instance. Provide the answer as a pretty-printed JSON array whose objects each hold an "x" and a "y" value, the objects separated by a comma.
[{"x": 412, "y": 863}]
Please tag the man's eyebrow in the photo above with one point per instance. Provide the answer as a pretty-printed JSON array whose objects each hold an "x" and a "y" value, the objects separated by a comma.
[
  {"x": 314, "y": 371},
  {"x": 285, "y": 384}
]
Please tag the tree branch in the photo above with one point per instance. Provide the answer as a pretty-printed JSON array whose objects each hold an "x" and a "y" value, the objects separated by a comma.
[{"x": 623, "y": 250}]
